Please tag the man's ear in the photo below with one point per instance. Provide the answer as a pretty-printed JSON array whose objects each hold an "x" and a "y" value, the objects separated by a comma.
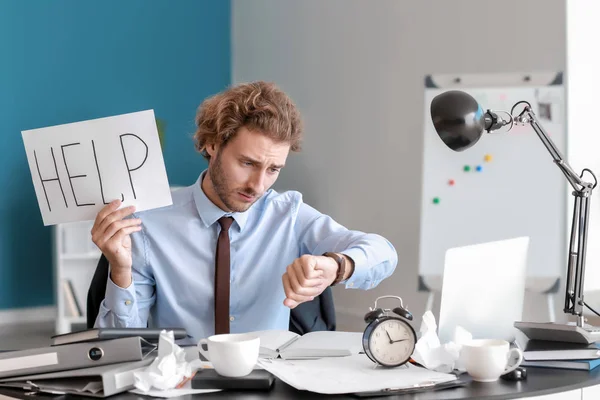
[{"x": 211, "y": 149}]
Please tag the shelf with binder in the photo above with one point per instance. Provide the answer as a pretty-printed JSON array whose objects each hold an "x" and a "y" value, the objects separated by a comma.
[{"x": 75, "y": 259}]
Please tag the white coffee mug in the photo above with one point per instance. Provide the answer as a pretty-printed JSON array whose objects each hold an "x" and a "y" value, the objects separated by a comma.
[
  {"x": 486, "y": 359},
  {"x": 232, "y": 354}
]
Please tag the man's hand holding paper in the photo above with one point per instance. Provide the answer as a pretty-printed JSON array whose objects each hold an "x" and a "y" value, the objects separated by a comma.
[{"x": 110, "y": 233}]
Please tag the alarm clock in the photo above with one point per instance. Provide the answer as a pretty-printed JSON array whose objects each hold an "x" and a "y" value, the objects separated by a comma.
[{"x": 389, "y": 340}]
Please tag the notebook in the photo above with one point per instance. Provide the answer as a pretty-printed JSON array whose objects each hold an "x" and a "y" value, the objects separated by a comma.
[
  {"x": 585, "y": 365},
  {"x": 289, "y": 345},
  {"x": 537, "y": 350}
]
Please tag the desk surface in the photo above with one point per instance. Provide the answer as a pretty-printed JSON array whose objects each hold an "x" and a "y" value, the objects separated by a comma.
[{"x": 539, "y": 382}]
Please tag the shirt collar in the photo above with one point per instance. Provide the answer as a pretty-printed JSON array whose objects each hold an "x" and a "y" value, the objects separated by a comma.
[{"x": 209, "y": 212}]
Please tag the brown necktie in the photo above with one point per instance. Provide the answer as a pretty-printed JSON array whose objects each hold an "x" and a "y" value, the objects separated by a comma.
[{"x": 222, "y": 266}]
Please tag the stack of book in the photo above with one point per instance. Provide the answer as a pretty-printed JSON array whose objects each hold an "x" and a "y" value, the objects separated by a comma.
[
  {"x": 95, "y": 362},
  {"x": 550, "y": 354}
]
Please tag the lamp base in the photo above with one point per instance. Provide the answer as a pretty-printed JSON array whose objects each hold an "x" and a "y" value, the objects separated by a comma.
[{"x": 569, "y": 332}]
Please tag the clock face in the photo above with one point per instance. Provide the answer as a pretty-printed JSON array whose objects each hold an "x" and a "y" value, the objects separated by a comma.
[{"x": 392, "y": 342}]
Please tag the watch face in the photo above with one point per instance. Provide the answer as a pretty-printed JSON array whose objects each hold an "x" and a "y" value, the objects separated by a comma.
[{"x": 392, "y": 342}]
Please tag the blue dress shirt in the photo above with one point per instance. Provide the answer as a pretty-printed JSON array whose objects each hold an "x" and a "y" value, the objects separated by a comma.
[{"x": 174, "y": 262}]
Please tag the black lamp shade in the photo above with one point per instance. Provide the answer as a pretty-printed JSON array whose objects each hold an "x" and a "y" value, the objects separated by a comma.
[{"x": 458, "y": 119}]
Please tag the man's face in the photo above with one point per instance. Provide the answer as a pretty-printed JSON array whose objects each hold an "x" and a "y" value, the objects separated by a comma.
[{"x": 243, "y": 170}]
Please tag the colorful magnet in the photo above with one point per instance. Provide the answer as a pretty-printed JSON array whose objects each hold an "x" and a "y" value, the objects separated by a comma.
[
  {"x": 487, "y": 158},
  {"x": 479, "y": 168},
  {"x": 466, "y": 168},
  {"x": 436, "y": 200},
  {"x": 451, "y": 182}
]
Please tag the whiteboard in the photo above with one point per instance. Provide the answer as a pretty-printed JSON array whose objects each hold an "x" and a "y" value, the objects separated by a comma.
[{"x": 504, "y": 186}]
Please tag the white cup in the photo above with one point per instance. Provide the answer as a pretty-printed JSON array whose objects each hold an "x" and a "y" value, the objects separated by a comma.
[
  {"x": 232, "y": 354},
  {"x": 486, "y": 359}
]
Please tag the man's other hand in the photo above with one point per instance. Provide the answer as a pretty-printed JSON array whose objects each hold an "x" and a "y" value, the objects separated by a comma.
[{"x": 307, "y": 277}]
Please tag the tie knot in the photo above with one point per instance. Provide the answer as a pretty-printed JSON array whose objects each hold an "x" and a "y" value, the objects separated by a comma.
[{"x": 225, "y": 223}]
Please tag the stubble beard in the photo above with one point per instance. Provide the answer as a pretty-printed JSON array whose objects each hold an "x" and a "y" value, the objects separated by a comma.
[{"x": 220, "y": 184}]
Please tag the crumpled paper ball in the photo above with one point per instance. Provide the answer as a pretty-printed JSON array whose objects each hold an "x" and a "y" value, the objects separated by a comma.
[
  {"x": 433, "y": 355},
  {"x": 168, "y": 369}
]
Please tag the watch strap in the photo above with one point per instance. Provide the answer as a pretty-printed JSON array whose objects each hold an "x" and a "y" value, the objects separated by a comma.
[{"x": 341, "y": 261}]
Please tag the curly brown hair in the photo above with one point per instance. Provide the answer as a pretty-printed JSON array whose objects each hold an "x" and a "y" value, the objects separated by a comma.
[{"x": 258, "y": 106}]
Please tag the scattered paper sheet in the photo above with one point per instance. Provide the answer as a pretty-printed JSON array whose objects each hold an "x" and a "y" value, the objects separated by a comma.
[
  {"x": 77, "y": 168},
  {"x": 352, "y": 374}
]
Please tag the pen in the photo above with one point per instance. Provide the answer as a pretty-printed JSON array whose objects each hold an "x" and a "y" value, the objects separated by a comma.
[{"x": 185, "y": 380}]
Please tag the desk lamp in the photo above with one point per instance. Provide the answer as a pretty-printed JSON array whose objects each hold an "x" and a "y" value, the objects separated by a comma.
[{"x": 460, "y": 122}]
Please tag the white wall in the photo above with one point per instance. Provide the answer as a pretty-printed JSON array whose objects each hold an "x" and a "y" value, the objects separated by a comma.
[
  {"x": 356, "y": 69},
  {"x": 583, "y": 63}
]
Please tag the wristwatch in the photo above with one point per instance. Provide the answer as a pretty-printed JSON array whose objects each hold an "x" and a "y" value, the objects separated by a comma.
[{"x": 341, "y": 267}]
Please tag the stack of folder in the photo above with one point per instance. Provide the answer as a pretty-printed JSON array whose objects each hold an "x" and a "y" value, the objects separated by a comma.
[
  {"x": 551, "y": 354},
  {"x": 97, "y": 363}
]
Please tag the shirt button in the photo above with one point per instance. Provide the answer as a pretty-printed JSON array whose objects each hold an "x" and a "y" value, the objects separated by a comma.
[
  {"x": 231, "y": 318},
  {"x": 127, "y": 302},
  {"x": 351, "y": 284}
]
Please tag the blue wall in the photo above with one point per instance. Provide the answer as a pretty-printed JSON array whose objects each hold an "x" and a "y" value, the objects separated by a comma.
[{"x": 67, "y": 60}]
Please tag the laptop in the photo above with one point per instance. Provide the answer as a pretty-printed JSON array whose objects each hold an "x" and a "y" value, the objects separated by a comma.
[{"x": 483, "y": 289}]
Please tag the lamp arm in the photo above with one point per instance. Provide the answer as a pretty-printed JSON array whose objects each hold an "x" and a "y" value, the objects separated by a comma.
[
  {"x": 575, "y": 180},
  {"x": 582, "y": 192}
]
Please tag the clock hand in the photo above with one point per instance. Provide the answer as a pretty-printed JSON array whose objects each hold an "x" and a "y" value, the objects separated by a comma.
[
  {"x": 400, "y": 340},
  {"x": 389, "y": 337}
]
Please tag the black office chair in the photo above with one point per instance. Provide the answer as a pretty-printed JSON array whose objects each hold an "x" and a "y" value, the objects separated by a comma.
[{"x": 315, "y": 315}]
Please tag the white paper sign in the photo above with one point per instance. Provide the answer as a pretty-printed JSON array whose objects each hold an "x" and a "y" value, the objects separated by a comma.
[{"x": 80, "y": 167}]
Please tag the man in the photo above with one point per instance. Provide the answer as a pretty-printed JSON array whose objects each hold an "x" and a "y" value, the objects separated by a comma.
[{"x": 231, "y": 254}]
